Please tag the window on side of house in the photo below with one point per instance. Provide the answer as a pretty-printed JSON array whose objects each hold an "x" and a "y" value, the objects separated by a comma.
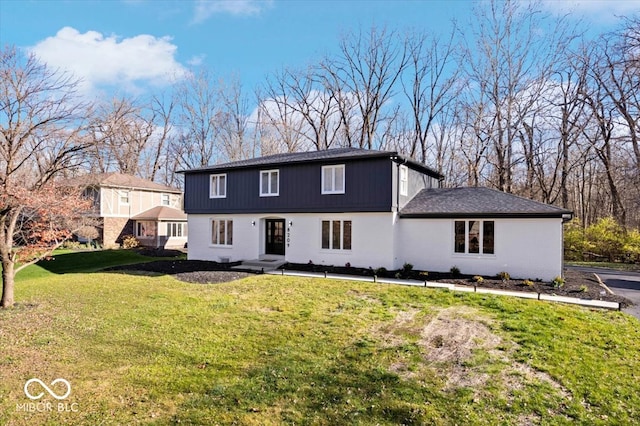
[
  {"x": 269, "y": 183},
  {"x": 221, "y": 232},
  {"x": 93, "y": 195},
  {"x": 336, "y": 234},
  {"x": 123, "y": 197},
  {"x": 404, "y": 180},
  {"x": 218, "y": 186},
  {"x": 145, "y": 229},
  {"x": 165, "y": 199},
  {"x": 474, "y": 236},
  {"x": 333, "y": 179},
  {"x": 176, "y": 229}
]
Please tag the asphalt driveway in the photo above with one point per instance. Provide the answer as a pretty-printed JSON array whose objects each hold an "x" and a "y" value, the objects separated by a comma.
[{"x": 626, "y": 284}]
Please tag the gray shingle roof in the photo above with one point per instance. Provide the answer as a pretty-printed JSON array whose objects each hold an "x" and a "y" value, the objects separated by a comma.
[
  {"x": 161, "y": 213},
  {"x": 335, "y": 154},
  {"x": 475, "y": 203},
  {"x": 119, "y": 180}
]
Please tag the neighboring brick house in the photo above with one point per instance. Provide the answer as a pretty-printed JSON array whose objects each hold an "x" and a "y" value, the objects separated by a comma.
[{"x": 129, "y": 205}]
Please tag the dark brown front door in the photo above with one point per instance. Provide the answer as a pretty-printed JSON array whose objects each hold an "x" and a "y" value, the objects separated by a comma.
[{"x": 274, "y": 238}]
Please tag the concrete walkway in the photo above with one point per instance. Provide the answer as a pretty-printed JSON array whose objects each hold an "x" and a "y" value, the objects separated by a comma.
[{"x": 622, "y": 283}]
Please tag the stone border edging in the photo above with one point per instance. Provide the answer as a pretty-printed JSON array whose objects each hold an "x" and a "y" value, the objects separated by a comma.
[{"x": 453, "y": 287}]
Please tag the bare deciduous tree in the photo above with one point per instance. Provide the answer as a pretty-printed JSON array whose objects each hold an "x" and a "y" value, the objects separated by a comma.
[
  {"x": 363, "y": 79},
  {"x": 39, "y": 138}
]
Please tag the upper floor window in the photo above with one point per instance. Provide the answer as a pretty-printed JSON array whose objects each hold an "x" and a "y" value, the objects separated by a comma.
[
  {"x": 474, "y": 236},
  {"x": 269, "y": 183},
  {"x": 93, "y": 195},
  {"x": 404, "y": 181},
  {"x": 218, "y": 186},
  {"x": 165, "y": 200},
  {"x": 333, "y": 179},
  {"x": 123, "y": 196}
]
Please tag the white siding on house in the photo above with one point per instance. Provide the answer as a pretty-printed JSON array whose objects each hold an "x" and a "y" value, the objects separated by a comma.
[
  {"x": 525, "y": 248},
  {"x": 371, "y": 240},
  {"x": 139, "y": 201}
]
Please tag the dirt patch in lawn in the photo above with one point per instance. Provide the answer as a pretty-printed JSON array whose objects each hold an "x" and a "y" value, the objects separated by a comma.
[{"x": 450, "y": 340}]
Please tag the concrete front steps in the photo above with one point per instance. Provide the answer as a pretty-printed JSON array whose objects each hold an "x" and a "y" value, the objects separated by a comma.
[{"x": 264, "y": 264}]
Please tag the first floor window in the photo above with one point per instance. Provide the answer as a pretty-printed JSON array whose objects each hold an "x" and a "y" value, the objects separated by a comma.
[
  {"x": 336, "y": 234},
  {"x": 474, "y": 236},
  {"x": 176, "y": 229},
  {"x": 222, "y": 232},
  {"x": 145, "y": 229}
]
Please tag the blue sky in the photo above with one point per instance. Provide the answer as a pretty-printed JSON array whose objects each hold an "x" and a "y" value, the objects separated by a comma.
[{"x": 132, "y": 45}]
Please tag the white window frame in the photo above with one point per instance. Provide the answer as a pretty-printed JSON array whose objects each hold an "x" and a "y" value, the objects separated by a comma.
[
  {"x": 144, "y": 223},
  {"x": 180, "y": 228},
  {"x": 481, "y": 248},
  {"x": 332, "y": 169},
  {"x": 270, "y": 191},
  {"x": 215, "y": 188},
  {"x": 124, "y": 194},
  {"x": 403, "y": 177},
  {"x": 214, "y": 224},
  {"x": 342, "y": 235},
  {"x": 165, "y": 199}
]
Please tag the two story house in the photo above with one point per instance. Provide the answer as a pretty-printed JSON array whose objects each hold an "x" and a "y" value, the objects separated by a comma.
[
  {"x": 128, "y": 205},
  {"x": 368, "y": 209}
]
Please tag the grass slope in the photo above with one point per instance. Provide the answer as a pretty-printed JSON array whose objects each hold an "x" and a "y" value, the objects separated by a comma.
[
  {"x": 273, "y": 350},
  {"x": 73, "y": 262}
]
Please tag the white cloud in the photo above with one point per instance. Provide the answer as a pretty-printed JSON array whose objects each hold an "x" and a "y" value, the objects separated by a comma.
[
  {"x": 206, "y": 8},
  {"x": 111, "y": 61},
  {"x": 602, "y": 10},
  {"x": 196, "y": 61}
]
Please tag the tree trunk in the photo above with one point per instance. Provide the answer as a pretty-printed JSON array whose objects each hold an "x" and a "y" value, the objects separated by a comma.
[{"x": 7, "y": 284}]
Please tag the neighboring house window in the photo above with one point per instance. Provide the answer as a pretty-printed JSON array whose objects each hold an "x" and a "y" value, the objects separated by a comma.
[
  {"x": 222, "y": 232},
  {"x": 165, "y": 199},
  {"x": 404, "y": 181},
  {"x": 336, "y": 234},
  {"x": 145, "y": 229},
  {"x": 176, "y": 229},
  {"x": 93, "y": 195},
  {"x": 333, "y": 179},
  {"x": 124, "y": 197},
  {"x": 269, "y": 183},
  {"x": 474, "y": 236},
  {"x": 218, "y": 186}
]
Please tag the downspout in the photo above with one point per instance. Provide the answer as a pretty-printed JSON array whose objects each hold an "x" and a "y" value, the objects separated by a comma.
[{"x": 565, "y": 218}]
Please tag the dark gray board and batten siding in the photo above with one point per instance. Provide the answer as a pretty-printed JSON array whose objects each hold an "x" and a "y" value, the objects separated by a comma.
[{"x": 368, "y": 188}]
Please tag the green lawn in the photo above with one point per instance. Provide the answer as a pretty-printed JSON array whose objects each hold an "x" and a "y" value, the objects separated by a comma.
[
  {"x": 273, "y": 350},
  {"x": 609, "y": 265},
  {"x": 73, "y": 262}
]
